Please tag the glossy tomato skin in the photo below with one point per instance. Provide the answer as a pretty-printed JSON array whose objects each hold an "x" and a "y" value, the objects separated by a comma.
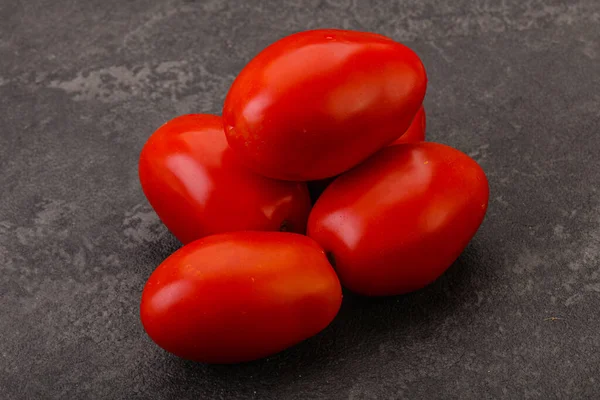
[
  {"x": 316, "y": 103},
  {"x": 197, "y": 187},
  {"x": 414, "y": 133},
  {"x": 395, "y": 223},
  {"x": 416, "y": 130},
  {"x": 240, "y": 296}
]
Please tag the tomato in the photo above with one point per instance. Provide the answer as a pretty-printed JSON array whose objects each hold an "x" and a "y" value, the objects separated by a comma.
[
  {"x": 396, "y": 222},
  {"x": 416, "y": 130},
  {"x": 414, "y": 133},
  {"x": 316, "y": 103},
  {"x": 197, "y": 186},
  {"x": 240, "y": 296}
]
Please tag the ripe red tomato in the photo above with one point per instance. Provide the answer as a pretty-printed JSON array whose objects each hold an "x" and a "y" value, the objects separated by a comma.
[
  {"x": 396, "y": 222},
  {"x": 240, "y": 296},
  {"x": 197, "y": 187},
  {"x": 316, "y": 103},
  {"x": 414, "y": 133},
  {"x": 416, "y": 130}
]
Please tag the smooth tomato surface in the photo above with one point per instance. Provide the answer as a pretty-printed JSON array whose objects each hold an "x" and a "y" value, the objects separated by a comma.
[
  {"x": 240, "y": 296},
  {"x": 414, "y": 133},
  {"x": 197, "y": 186},
  {"x": 416, "y": 130},
  {"x": 395, "y": 223},
  {"x": 316, "y": 103}
]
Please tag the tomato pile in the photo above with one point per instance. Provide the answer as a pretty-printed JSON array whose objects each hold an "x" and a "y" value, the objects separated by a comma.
[{"x": 262, "y": 266}]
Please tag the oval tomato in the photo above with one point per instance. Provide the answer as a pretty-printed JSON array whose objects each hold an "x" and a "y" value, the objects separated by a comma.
[
  {"x": 316, "y": 103},
  {"x": 240, "y": 296},
  {"x": 414, "y": 133},
  {"x": 416, "y": 130},
  {"x": 197, "y": 187},
  {"x": 396, "y": 222}
]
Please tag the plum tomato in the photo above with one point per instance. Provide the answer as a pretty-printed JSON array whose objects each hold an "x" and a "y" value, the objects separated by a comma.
[
  {"x": 395, "y": 223},
  {"x": 240, "y": 296},
  {"x": 197, "y": 186},
  {"x": 316, "y": 103}
]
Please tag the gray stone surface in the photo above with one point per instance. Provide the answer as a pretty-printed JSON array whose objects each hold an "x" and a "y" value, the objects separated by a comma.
[{"x": 516, "y": 84}]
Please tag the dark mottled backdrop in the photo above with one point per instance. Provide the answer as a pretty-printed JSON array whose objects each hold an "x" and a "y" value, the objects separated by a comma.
[{"x": 515, "y": 84}]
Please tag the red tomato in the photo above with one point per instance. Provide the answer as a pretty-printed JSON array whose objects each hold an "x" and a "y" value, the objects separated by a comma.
[
  {"x": 316, "y": 103},
  {"x": 197, "y": 187},
  {"x": 396, "y": 222},
  {"x": 414, "y": 133},
  {"x": 240, "y": 296},
  {"x": 416, "y": 130}
]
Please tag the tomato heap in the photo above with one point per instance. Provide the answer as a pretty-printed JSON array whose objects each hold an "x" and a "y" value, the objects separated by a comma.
[{"x": 262, "y": 267}]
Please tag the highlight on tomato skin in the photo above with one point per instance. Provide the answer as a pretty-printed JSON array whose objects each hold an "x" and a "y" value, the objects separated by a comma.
[
  {"x": 198, "y": 187},
  {"x": 316, "y": 103},
  {"x": 240, "y": 296},
  {"x": 395, "y": 223}
]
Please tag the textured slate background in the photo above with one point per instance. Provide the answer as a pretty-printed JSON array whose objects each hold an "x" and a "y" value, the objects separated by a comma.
[{"x": 513, "y": 83}]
